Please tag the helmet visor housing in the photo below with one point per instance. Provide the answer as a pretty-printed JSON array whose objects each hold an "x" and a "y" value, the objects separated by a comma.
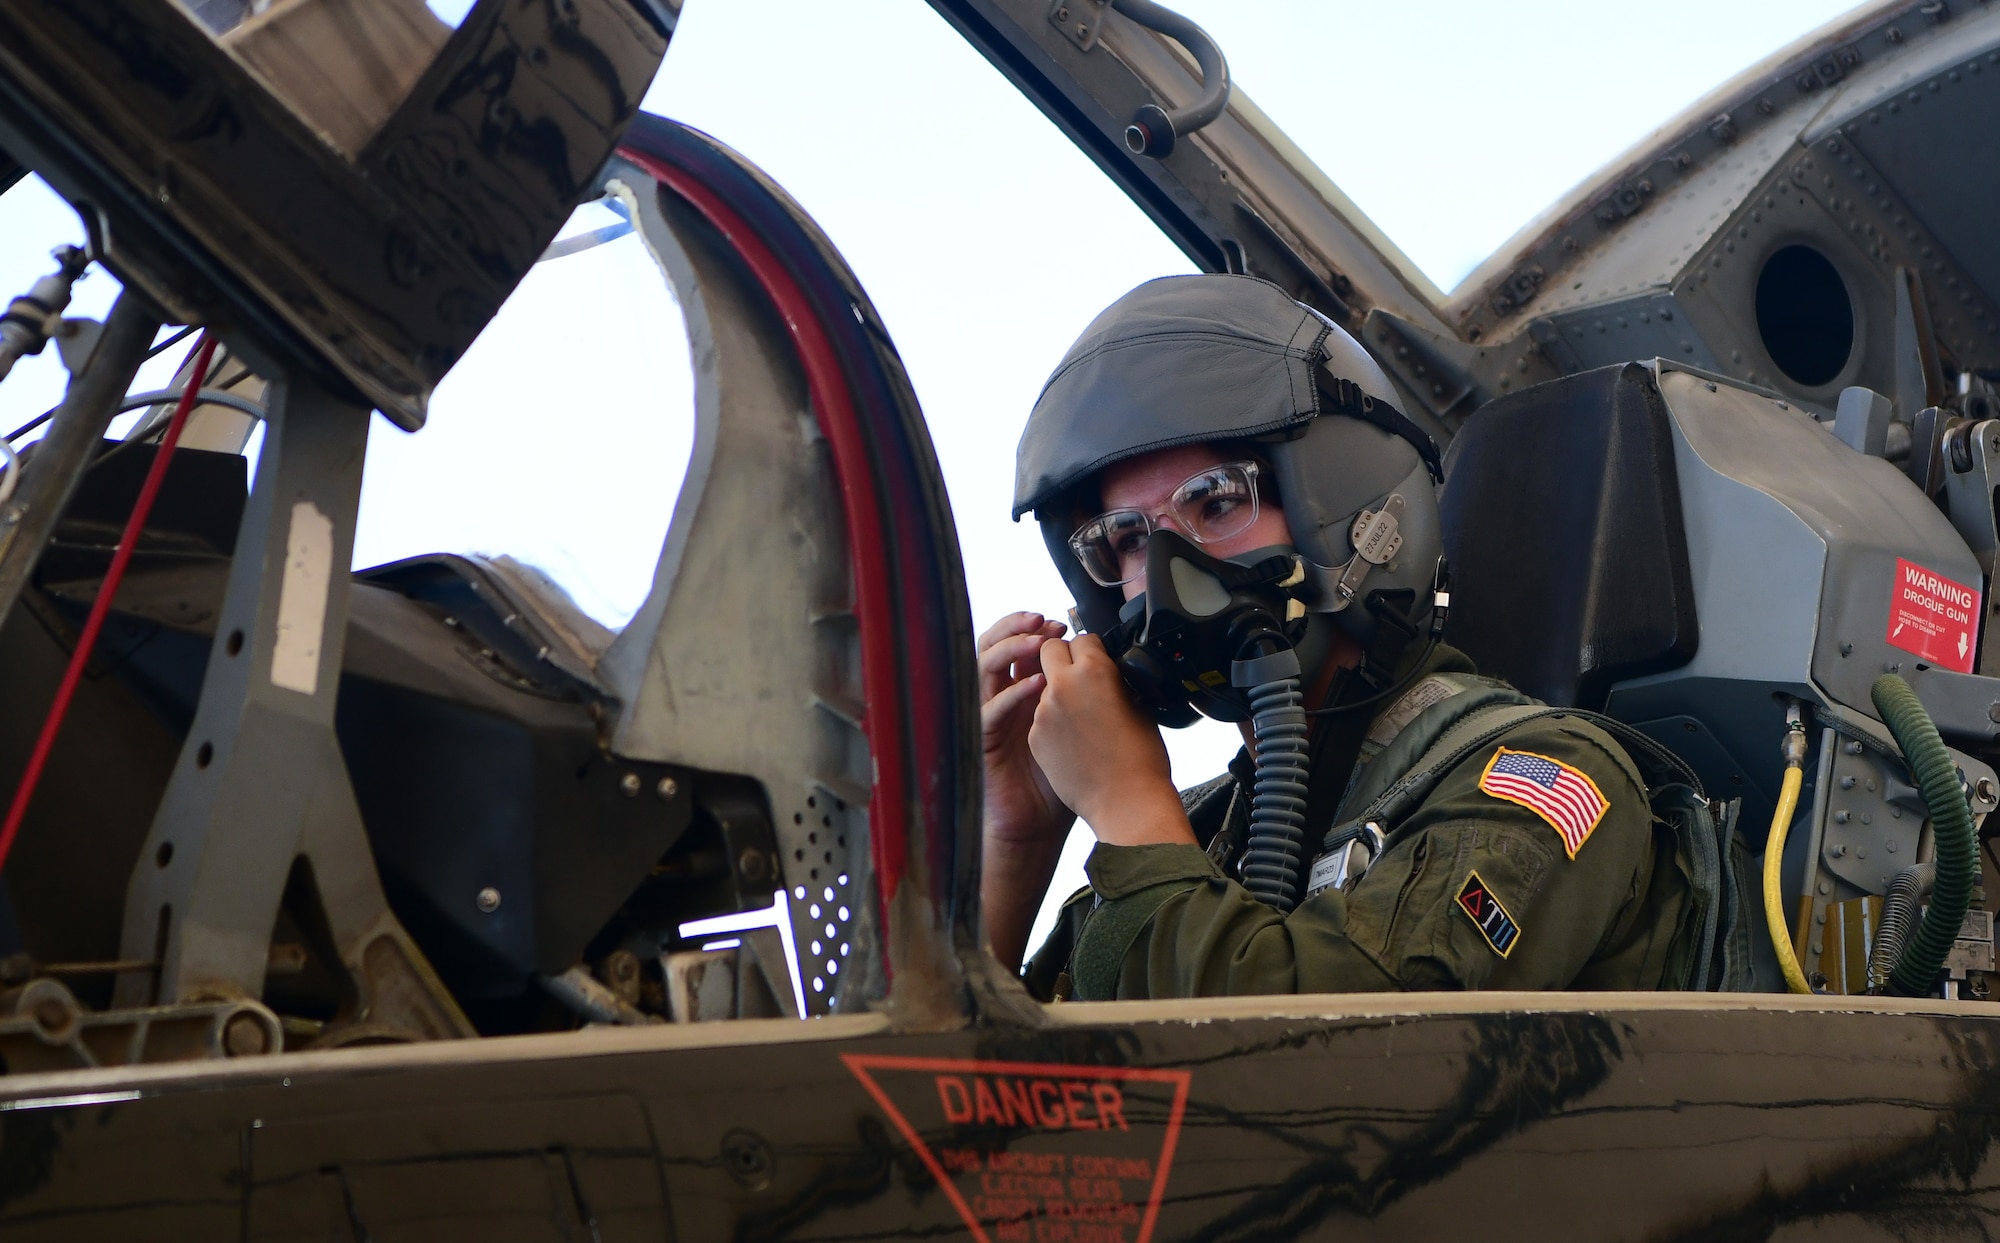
[{"x": 1209, "y": 506}]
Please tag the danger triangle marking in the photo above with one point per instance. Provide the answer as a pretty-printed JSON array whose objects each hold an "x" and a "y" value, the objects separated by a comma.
[{"x": 1037, "y": 1150}]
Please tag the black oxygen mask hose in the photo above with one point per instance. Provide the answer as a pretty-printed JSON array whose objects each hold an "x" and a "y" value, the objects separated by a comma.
[
  {"x": 1200, "y": 613},
  {"x": 1276, "y": 844},
  {"x": 1957, "y": 852}
]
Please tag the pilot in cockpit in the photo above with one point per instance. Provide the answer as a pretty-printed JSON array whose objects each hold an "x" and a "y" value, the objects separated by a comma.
[{"x": 1250, "y": 529}]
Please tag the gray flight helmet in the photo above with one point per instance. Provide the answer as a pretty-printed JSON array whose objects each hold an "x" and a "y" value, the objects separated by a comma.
[{"x": 1187, "y": 359}]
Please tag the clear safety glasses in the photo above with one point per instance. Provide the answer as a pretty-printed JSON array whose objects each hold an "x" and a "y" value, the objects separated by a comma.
[{"x": 1213, "y": 505}]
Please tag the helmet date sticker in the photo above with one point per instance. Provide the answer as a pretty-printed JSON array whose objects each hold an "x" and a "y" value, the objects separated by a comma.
[
  {"x": 1932, "y": 617},
  {"x": 1033, "y": 1151}
]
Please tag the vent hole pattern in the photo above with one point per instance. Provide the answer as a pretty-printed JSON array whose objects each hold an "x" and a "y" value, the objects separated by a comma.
[{"x": 819, "y": 874}]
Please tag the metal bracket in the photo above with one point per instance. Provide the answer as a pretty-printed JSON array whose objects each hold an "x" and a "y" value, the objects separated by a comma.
[
  {"x": 44, "y": 1028},
  {"x": 261, "y": 788},
  {"x": 1081, "y": 21},
  {"x": 76, "y": 341},
  {"x": 1861, "y": 420},
  {"x": 1968, "y": 492},
  {"x": 1925, "y": 464},
  {"x": 1919, "y": 376},
  {"x": 1441, "y": 374},
  {"x": 1376, "y": 538},
  {"x": 1972, "y": 948}
]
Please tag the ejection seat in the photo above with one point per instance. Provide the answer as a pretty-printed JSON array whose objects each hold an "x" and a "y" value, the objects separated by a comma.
[
  {"x": 1570, "y": 573},
  {"x": 1563, "y": 532}
]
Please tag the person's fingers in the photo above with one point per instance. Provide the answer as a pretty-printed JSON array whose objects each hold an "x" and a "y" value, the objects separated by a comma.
[
  {"x": 1012, "y": 624},
  {"x": 1031, "y": 664},
  {"x": 1010, "y": 650},
  {"x": 1088, "y": 651},
  {"x": 1008, "y": 658},
  {"x": 1012, "y": 704},
  {"x": 1054, "y": 656}
]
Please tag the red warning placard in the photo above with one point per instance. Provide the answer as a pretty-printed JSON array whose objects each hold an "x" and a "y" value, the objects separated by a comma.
[
  {"x": 1933, "y": 617},
  {"x": 1037, "y": 1152}
]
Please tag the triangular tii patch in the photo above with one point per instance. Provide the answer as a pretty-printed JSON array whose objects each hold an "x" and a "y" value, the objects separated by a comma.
[{"x": 1033, "y": 1150}]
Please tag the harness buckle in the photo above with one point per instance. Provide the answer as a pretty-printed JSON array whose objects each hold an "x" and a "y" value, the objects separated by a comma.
[{"x": 1349, "y": 853}]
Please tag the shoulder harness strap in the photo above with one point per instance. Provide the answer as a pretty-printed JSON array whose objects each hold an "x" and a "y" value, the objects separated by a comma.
[
  {"x": 1714, "y": 958},
  {"x": 1404, "y": 731}
]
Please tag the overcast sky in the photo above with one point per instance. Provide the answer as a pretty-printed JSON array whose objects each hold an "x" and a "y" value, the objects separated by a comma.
[{"x": 986, "y": 241}]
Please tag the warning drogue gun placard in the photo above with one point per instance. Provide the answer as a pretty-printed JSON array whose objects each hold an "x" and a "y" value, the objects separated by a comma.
[
  {"x": 1032, "y": 1152},
  {"x": 1933, "y": 617}
]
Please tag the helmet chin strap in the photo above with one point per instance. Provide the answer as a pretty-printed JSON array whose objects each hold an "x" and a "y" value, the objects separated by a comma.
[{"x": 1374, "y": 677}]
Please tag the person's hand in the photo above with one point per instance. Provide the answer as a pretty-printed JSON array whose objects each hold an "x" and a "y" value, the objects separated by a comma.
[
  {"x": 1025, "y": 823},
  {"x": 1021, "y": 806},
  {"x": 1100, "y": 754}
]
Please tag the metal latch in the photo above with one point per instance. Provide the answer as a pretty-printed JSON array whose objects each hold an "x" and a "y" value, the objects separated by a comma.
[
  {"x": 1377, "y": 536},
  {"x": 1972, "y": 948},
  {"x": 1349, "y": 855}
]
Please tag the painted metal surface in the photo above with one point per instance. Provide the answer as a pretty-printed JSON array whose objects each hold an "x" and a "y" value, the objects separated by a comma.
[
  {"x": 1532, "y": 1117},
  {"x": 378, "y": 279},
  {"x": 260, "y": 789},
  {"x": 1848, "y": 141},
  {"x": 961, "y": 1111},
  {"x": 939, "y": 1101},
  {"x": 712, "y": 671},
  {"x": 910, "y": 602}
]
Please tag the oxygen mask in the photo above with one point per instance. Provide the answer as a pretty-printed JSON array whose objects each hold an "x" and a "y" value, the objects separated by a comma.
[
  {"x": 1220, "y": 637},
  {"x": 1207, "y": 631}
]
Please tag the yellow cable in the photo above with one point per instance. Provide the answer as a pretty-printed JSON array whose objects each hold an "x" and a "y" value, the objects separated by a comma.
[{"x": 1774, "y": 859}]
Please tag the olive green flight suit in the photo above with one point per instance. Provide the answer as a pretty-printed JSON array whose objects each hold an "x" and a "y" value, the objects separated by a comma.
[{"x": 1423, "y": 916}]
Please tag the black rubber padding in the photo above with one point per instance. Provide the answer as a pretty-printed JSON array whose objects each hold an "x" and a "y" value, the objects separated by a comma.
[{"x": 1562, "y": 526}]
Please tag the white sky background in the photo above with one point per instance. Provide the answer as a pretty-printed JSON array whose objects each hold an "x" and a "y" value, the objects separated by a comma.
[{"x": 986, "y": 241}]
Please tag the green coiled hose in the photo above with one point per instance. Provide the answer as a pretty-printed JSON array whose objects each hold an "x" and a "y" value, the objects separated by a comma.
[{"x": 1956, "y": 851}]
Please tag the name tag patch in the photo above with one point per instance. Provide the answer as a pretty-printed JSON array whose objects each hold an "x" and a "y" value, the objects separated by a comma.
[
  {"x": 1409, "y": 708},
  {"x": 1487, "y": 915}
]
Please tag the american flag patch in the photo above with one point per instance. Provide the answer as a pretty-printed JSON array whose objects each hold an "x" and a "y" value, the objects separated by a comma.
[{"x": 1559, "y": 794}]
